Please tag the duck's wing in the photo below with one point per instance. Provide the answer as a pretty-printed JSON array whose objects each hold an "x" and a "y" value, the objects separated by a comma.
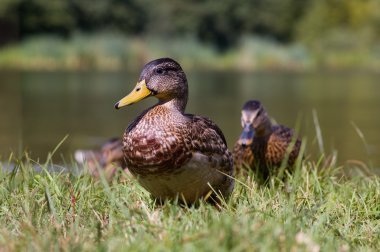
[
  {"x": 279, "y": 142},
  {"x": 209, "y": 151},
  {"x": 208, "y": 139}
]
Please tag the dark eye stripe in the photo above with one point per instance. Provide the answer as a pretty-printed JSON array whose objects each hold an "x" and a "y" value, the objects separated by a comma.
[{"x": 166, "y": 70}]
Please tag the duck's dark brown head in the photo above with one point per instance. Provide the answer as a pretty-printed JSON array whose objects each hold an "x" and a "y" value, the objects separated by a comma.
[
  {"x": 255, "y": 122},
  {"x": 162, "y": 78}
]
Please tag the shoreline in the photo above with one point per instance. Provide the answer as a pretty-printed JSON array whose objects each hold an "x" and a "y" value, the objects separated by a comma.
[{"x": 115, "y": 52}]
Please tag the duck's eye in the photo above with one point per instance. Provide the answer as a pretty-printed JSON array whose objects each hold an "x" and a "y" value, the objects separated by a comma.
[{"x": 159, "y": 71}]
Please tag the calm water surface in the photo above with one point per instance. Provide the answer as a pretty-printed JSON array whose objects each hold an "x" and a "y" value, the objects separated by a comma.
[{"x": 39, "y": 109}]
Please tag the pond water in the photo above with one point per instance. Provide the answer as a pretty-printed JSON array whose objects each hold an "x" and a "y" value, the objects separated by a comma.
[{"x": 39, "y": 108}]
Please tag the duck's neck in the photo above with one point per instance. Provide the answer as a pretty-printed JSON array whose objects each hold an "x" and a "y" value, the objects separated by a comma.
[
  {"x": 265, "y": 130},
  {"x": 177, "y": 103}
]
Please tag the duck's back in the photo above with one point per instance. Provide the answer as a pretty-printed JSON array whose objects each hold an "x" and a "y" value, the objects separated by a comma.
[{"x": 279, "y": 142}]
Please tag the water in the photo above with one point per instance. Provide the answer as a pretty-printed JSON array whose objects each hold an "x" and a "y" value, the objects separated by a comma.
[{"x": 39, "y": 109}]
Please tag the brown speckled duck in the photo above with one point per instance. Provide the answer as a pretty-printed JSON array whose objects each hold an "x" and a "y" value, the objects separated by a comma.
[
  {"x": 108, "y": 158},
  {"x": 262, "y": 145},
  {"x": 173, "y": 154}
]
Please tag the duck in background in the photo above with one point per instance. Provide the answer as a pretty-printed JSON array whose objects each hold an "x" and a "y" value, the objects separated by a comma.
[
  {"x": 172, "y": 154},
  {"x": 109, "y": 158},
  {"x": 263, "y": 146}
]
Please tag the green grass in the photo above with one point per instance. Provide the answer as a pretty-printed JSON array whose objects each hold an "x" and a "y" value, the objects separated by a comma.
[{"x": 316, "y": 209}]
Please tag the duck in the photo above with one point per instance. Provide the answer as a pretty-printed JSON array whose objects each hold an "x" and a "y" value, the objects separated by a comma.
[
  {"x": 108, "y": 158},
  {"x": 174, "y": 155},
  {"x": 263, "y": 146}
]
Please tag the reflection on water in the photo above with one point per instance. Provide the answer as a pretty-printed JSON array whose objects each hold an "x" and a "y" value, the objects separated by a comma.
[{"x": 39, "y": 109}]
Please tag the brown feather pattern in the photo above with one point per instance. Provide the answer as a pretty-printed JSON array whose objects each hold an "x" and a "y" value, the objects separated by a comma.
[
  {"x": 269, "y": 149},
  {"x": 243, "y": 156},
  {"x": 173, "y": 154},
  {"x": 267, "y": 152},
  {"x": 272, "y": 151},
  {"x": 162, "y": 141}
]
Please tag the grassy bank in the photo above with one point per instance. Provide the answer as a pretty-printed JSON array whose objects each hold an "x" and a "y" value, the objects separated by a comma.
[
  {"x": 115, "y": 51},
  {"x": 316, "y": 210}
]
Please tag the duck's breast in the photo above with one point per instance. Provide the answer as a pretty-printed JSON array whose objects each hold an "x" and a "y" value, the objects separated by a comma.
[
  {"x": 195, "y": 179},
  {"x": 156, "y": 149}
]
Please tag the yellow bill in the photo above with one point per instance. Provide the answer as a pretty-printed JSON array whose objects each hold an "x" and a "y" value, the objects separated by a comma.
[{"x": 138, "y": 93}]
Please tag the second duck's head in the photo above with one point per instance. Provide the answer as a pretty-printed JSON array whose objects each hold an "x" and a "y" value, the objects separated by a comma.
[
  {"x": 162, "y": 78},
  {"x": 255, "y": 122}
]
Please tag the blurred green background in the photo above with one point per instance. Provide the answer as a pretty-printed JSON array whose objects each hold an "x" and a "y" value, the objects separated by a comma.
[
  {"x": 237, "y": 34},
  {"x": 64, "y": 63}
]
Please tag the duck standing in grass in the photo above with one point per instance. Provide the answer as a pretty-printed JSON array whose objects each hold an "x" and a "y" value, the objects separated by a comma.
[
  {"x": 108, "y": 158},
  {"x": 173, "y": 154},
  {"x": 262, "y": 145}
]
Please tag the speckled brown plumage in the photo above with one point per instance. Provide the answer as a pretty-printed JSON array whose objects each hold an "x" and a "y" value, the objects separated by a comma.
[
  {"x": 109, "y": 158},
  {"x": 171, "y": 153},
  {"x": 243, "y": 157},
  {"x": 268, "y": 145}
]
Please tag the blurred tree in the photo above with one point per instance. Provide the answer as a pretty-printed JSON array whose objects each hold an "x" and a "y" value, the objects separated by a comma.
[
  {"x": 127, "y": 16},
  {"x": 221, "y": 23},
  {"x": 273, "y": 18},
  {"x": 8, "y": 23},
  {"x": 354, "y": 17},
  {"x": 39, "y": 16}
]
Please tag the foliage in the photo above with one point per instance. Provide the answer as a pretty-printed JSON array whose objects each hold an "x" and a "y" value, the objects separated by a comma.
[
  {"x": 221, "y": 23},
  {"x": 314, "y": 210},
  {"x": 342, "y": 33},
  {"x": 333, "y": 34},
  {"x": 351, "y": 16},
  {"x": 109, "y": 51}
]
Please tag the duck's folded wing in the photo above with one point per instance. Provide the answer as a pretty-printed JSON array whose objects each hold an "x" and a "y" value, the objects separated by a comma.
[
  {"x": 208, "y": 139},
  {"x": 280, "y": 140}
]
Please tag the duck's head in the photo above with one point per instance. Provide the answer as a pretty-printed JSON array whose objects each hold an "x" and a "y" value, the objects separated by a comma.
[
  {"x": 255, "y": 122},
  {"x": 162, "y": 78}
]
